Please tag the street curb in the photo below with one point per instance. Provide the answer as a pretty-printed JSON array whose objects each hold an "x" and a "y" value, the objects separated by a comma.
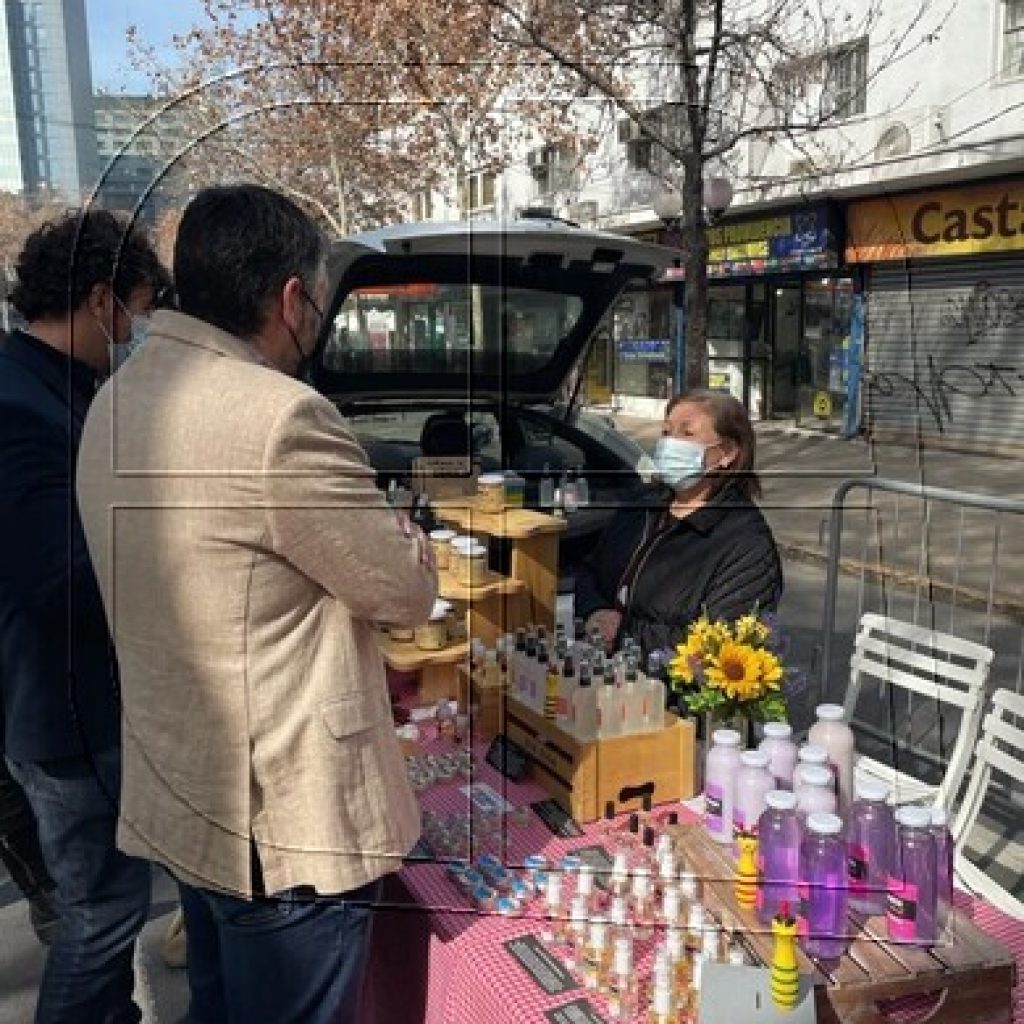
[{"x": 937, "y": 590}]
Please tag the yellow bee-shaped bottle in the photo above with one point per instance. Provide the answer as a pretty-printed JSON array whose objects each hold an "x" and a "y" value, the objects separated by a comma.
[
  {"x": 746, "y": 871},
  {"x": 785, "y": 977}
]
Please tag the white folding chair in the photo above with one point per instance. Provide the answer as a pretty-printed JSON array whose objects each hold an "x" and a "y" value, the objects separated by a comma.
[
  {"x": 1000, "y": 749},
  {"x": 933, "y": 665}
]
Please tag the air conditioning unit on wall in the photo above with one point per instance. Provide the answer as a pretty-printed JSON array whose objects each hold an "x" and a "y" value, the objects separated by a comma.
[{"x": 910, "y": 132}]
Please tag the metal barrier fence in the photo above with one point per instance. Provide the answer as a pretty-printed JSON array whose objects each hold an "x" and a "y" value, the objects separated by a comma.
[
  {"x": 964, "y": 569},
  {"x": 949, "y": 560}
]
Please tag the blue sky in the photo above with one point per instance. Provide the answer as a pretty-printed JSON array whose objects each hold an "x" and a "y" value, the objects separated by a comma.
[{"x": 157, "y": 21}]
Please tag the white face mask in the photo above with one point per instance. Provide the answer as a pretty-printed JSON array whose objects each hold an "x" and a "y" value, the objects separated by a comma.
[{"x": 678, "y": 462}]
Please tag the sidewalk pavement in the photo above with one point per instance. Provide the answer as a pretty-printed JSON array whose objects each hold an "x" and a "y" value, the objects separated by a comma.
[{"x": 964, "y": 557}]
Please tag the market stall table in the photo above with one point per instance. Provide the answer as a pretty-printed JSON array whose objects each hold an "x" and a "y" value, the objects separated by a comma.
[{"x": 440, "y": 960}]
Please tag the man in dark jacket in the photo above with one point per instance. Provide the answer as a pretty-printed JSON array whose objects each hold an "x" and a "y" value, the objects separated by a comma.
[{"x": 81, "y": 281}]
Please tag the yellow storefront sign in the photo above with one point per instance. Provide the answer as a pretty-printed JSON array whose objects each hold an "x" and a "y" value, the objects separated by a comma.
[{"x": 950, "y": 222}]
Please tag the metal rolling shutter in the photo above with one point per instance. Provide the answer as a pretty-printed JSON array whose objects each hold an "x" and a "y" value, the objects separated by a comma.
[{"x": 945, "y": 350}]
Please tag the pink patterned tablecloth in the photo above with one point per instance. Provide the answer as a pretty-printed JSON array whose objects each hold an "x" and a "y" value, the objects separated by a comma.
[{"x": 467, "y": 975}]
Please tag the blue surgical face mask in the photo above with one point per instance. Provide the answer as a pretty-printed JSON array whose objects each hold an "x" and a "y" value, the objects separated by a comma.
[{"x": 678, "y": 462}]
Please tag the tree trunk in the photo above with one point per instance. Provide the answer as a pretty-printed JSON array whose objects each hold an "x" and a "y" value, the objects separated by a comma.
[{"x": 695, "y": 242}]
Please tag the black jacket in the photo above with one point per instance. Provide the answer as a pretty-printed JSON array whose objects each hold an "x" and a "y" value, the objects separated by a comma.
[
  {"x": 661, "y": 572},
  {"x": 58, "y": 676}
]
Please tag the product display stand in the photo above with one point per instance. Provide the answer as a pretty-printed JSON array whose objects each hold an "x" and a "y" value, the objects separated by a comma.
[
  {"x": 495, "y": 605},
  {"x": 584, "y": 776}
]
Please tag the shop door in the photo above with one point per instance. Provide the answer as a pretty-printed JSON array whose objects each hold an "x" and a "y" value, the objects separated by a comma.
[{"x": 786, "y": 330}]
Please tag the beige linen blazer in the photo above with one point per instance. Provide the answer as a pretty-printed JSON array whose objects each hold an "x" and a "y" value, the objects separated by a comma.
[{"x": 243, "y": 552}]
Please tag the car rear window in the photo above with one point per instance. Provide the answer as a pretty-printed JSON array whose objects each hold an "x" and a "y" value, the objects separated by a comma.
[{"x": 448, "y": 328}]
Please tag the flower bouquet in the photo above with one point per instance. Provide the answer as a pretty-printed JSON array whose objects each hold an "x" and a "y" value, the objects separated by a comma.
[{"x": 731, "y": 670}]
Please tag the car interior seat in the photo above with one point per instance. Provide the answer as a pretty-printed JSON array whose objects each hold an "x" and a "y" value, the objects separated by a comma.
[{"x": 445, "y": 434}]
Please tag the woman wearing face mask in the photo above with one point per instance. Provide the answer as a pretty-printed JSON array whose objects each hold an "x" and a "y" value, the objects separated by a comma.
[{"x": 697, "y": 542}]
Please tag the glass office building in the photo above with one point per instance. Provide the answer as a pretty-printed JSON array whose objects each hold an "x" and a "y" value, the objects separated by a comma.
[{"x": 47, "y": 135}]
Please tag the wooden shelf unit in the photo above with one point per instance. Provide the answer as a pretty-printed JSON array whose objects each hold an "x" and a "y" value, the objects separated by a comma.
[
  {"x": 452, "y": 589},
  {"x": 534, "y": 563},
  {"x": 436, "y": 669},
  {"x": 527, "y": 595}
]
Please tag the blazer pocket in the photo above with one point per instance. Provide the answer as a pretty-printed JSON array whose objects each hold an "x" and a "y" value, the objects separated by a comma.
[{"x": 356, "y": 713}]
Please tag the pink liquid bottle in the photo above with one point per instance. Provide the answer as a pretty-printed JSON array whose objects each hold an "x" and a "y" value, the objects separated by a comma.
[
  {"x": 781, "y": 750},
  {"x": 870, "y": 846},
  {"x": 753, "y": 783},
  {"x": 723, "y": 762},
  {"x": 778, "y": 855},
  {"x": 832, "y": 733},
  {"x": 815, "y": 793},
  {"x": 944, "y": 866},
  {"x": 912, "y": 898},
  {"x": 823, "y": 887}
]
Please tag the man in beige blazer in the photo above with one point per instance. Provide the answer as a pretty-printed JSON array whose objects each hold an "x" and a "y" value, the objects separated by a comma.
[{"x": 244, "y": 552}]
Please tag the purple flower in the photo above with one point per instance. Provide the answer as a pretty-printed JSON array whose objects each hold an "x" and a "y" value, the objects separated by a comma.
[{"x": 795, "y": 683}]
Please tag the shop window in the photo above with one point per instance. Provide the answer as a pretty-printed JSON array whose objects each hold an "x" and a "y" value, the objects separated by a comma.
[
  {"x": 642, "y": 323},
  {"x": 823, "y": 362},
  {"x": 1013, "y": 38}
]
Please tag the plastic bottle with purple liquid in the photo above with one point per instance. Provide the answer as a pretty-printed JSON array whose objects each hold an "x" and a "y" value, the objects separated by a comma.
[
  {"x": 912, "y": 898},
  {"x": 870, "y": 846},
  {"x": 778, "y": 855},
  {"x": 823, "y": 883},
  {"x": 943, "y": 867}
]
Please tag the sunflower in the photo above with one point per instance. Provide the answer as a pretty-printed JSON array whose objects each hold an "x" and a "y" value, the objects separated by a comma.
[
  {"x": 736, "y": 670},
  {"x": 750, "y": 629},
  {"x": 686, "y": 662},
  {"x": 770, "y": 669}
]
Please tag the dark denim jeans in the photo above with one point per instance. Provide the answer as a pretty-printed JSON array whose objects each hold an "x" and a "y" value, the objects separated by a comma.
[
  {"x": 296, "y": 958},
  {"x": 19, "y": 839},
  {"x": 102, "y": 895}
]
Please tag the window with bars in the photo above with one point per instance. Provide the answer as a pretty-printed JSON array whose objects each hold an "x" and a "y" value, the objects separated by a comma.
[
  {"x": 846, "y": 80},
  {"x": 665, "y": 123},
  {"x": 422, "y": 205},
  {"x": 476, "y": 193},
  {"x": 1013, "y": 38},
  {"x": 553, "y": 168}
]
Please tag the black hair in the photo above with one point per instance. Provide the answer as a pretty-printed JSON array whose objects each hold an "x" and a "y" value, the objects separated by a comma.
[
  {"x": 237, "y": 245},
  {"x": 62, "y": 261}
]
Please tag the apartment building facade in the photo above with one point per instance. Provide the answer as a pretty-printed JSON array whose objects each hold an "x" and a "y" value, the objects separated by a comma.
[{"x": 871, "y": 277}]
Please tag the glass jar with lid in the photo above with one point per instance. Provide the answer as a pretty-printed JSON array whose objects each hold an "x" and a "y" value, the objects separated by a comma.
[
  {"x": 471, "y": 570},
  {"x": 440, "y": 541},
  {"x": 433, "y": 634},
  {"x": 490, "y": 489}
]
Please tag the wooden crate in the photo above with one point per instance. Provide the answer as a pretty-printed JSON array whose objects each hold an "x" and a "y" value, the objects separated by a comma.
[
  {"x": 973, "y": 973},
  {"x": 584, "y": 776}
]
